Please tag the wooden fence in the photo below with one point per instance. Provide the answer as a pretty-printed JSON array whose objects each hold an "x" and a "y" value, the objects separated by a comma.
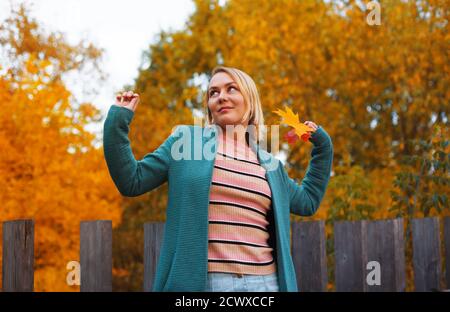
[{"x": 356, "y": 244}]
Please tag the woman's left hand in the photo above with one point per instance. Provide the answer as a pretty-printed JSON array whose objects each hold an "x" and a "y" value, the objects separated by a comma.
[
  {"x": 311, "y": 125},
  {"x": 292, "y": 137}
]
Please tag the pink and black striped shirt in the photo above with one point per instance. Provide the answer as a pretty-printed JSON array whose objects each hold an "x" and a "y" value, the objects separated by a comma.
[{"x": 240, "y": 199}]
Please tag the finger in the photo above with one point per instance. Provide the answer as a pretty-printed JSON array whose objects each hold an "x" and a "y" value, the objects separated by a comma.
[
  {"x": 125, "y": 95},
  {"x": 133, "y": 102},
  {"x": 311, "y": 125},
  {"x": 121, "y": 99}
]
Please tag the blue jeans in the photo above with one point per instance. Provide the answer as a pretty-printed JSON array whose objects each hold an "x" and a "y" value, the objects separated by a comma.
[{"x": 246, "y": 282}]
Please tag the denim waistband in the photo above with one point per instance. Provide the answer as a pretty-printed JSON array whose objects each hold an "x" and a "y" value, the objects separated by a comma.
[{"x": 239, "y": 275}]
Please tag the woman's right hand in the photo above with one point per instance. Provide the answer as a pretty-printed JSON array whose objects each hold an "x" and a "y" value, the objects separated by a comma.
[{"x": 128, "y": 99}]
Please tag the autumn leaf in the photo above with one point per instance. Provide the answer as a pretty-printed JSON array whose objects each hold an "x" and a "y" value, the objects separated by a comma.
[
  {"x": 291, "y": 119},
  {"x": 291, "y": 137},
  {"x": 305, "y": 136}
]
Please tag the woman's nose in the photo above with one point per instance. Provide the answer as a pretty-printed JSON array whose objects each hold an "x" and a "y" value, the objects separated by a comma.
[{"x": 222, "y": 97}]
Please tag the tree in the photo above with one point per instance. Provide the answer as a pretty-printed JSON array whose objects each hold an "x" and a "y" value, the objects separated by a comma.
[{"x": 49, "y": 167}]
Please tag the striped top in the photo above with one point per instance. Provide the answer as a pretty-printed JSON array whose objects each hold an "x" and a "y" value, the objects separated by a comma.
[{"x": 240, "y": 198}]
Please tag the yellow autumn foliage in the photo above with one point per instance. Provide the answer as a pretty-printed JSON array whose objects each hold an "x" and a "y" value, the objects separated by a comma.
[{"x": 49, "y": 169}]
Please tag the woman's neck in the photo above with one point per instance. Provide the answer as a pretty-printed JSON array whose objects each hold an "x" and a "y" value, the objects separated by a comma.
[{"x": 234, "y": 134}]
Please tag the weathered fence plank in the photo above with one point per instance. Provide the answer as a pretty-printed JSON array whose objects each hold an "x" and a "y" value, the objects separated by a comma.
[
  {"x": 447, "y": 250},
  {"x": 385, "y": 244},
  {"x": 350, "y": 255},
  {"x": 96, "y": 256},
  {"x": 18, "y": 256},
  {"x": 153, "y": 235},
  {"x": 426, "y": 254},
  {"x": 309, "y": 255}
]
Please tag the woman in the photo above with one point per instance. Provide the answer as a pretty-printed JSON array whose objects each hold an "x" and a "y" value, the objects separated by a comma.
[{"x": 228, "y": 214}]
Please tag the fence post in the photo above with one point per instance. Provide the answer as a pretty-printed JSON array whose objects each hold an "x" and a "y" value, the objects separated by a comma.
[
  {"x": 426, "y": 254},
  {"x": 447, "y": 250},
  {"x": 309, "y": 255},
  {"x": 96, "y": 256},
  {"x": 153, "y": 235},
  {"x": 350, "y": 255},
  {"x": 385, "y": 244},
  {"x": 18, "y": 256}
]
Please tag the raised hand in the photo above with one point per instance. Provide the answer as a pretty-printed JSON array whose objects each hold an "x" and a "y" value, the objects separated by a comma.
[
  {"x": 291, "y": 137},
  {"x": 312, "y": 125},
  {"x": 128, "y": 99}
]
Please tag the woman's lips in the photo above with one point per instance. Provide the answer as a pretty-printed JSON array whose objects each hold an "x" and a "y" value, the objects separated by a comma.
[{"x": 225, "y": 109}]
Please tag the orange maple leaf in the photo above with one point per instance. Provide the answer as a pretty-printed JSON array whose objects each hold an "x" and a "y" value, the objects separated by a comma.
[{"x": 291, "y": 119}]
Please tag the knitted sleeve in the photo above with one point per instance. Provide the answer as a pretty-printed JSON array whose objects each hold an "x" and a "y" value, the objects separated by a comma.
[
  {"x": 305, "y": 198},
  {"x": 132, "y": 177}
]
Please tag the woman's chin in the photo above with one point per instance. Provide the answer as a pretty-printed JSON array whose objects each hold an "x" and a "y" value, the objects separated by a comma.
[{"x": 228, "y": 121}]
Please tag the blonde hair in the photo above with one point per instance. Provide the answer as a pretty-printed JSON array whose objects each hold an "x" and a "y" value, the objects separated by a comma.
[{"x": 253, "y": 112}]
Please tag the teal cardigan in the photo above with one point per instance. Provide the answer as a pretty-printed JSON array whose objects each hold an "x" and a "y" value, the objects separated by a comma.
[{"x": 183, "y": 260}]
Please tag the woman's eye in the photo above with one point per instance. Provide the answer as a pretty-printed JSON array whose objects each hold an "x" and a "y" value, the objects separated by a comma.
[{"x": 212, "y": 93}]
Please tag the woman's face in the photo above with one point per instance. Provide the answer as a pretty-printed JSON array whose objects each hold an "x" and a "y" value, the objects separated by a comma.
[{"x": 224, "y": 93}]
